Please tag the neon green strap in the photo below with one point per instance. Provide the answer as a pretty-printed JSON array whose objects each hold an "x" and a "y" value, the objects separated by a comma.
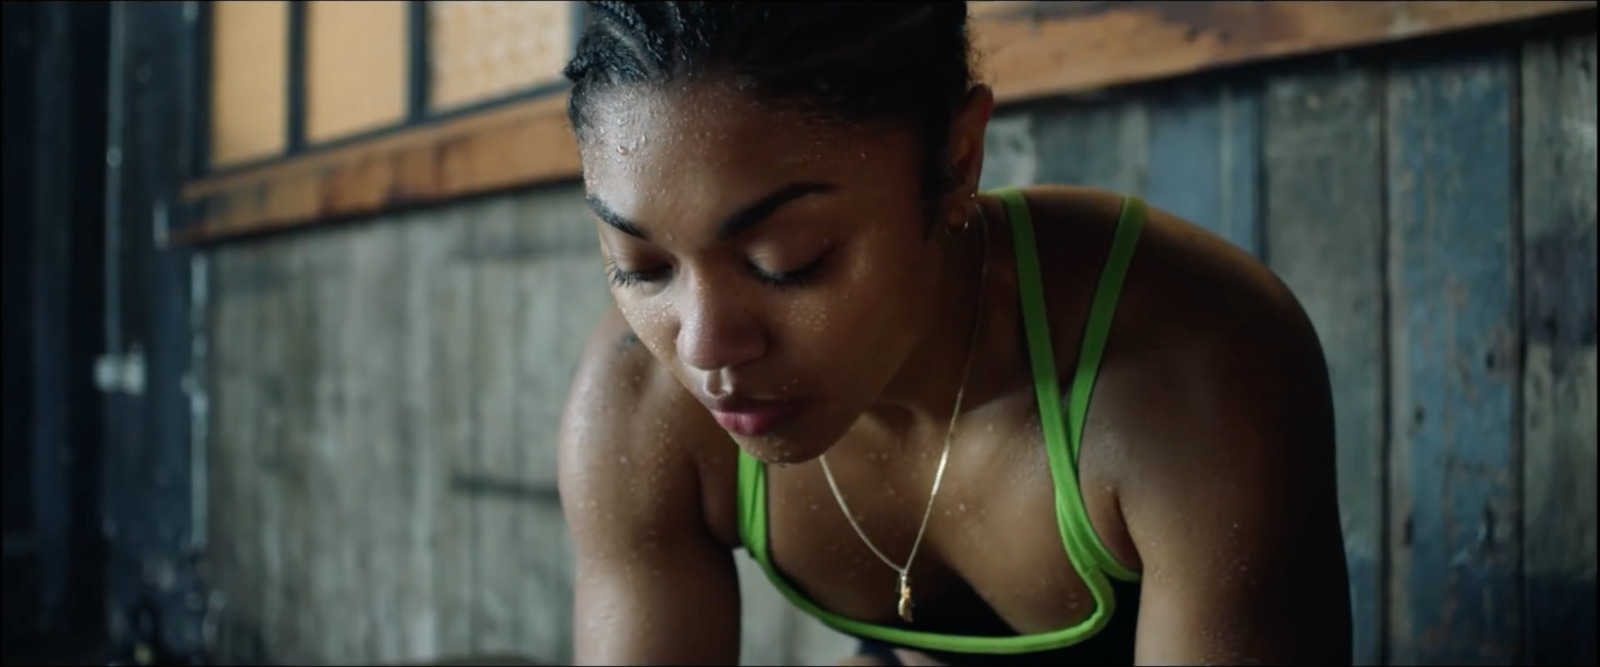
[
  {"x": 1095, "y": 335},
  {"x": 1077, "y": 533},
  {"x": 1063, "y": 443}
]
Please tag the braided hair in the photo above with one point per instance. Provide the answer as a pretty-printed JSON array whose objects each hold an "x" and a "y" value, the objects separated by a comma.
[{"x": 834, "y": 61}]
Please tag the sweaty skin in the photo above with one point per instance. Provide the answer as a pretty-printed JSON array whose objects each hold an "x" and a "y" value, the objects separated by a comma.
[{"x": 1208, "y": 457}]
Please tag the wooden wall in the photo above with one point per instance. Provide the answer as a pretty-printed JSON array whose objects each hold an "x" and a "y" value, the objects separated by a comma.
[
  {"x": 385, "y": 400},
  {"x": 385, "y": 395}
]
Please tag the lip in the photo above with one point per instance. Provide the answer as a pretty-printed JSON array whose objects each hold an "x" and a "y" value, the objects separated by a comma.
[{"x": 748, "y": 416}]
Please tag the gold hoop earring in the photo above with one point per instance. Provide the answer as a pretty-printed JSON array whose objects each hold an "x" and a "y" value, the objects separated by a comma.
[
  {"x": 954, "y": 231},
  {"x": 966, "y": 221}
]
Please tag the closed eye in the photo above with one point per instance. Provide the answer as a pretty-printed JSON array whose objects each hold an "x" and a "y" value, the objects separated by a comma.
[
  {"x": 776, "y": 279},
  {"x": 622, "y": 278},
  {"x": 790, "y": 279}
]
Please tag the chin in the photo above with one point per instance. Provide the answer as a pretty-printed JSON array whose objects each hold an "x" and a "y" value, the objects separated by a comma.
[
  {"x": 786, "y": 448},
  {"x": 776, "y": 449}
]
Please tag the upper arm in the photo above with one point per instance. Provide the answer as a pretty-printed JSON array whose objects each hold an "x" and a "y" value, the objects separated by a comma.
[
  {"x": 1235, "y": 515},
  {"x": 652, "y": 584}
]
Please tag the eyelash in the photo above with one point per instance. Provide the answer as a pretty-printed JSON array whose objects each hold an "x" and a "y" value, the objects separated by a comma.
[
  {"x": 786, "y": 280},
  {"x": 622, "y": 278}
]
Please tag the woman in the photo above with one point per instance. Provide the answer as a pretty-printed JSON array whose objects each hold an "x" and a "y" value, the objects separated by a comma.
[{"x": 830, "y": 349}]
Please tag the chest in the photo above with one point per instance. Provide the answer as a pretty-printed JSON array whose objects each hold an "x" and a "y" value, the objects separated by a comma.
[{"x": 991, "y": 560}]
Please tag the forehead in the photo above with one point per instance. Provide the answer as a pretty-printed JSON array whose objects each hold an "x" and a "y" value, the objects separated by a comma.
[{"x": 706, "y": 144}]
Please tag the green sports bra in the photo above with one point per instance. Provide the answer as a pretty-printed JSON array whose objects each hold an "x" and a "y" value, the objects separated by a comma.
[{"x": 1089, "y": 556}]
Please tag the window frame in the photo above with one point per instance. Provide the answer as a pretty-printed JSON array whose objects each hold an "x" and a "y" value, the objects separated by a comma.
[{"x": 418, "y": 114}]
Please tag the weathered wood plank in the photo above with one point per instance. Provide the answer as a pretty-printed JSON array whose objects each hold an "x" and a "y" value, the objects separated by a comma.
[
  {"x": 446, "y": 295},
  {"x": 1104, "y": 145},
  {"x": 497, "y": 312},
  {"x": 544, "y": 592},
  {"x": 1323, "y": 170},
  {"x": 1454, "y": 352},
  {"x": 269, "y": 458},
  {"x": 1205, "y": 148},
  {"x": 417, "y": 473},
  {"x": 335, "y": 558},
  {"x": 561, "y": 293},
  {"x": 1011, "y": 157},
  {"x": 230, "y": 556},
  {"x": 371, "y": 349},
  {"x": 1558, "y": 389},
  {"x": 302, "y": 625},
  {"x": 219, "y": 566}
]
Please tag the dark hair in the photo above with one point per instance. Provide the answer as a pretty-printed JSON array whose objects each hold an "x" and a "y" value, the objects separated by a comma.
[{"x": 837, "y": 61}]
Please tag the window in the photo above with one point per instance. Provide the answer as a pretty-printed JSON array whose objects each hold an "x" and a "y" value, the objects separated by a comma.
[{"x": 286, "y": 78}]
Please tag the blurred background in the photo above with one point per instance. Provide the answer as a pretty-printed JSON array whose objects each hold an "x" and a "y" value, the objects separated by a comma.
[{"x": 293, "y": 292}]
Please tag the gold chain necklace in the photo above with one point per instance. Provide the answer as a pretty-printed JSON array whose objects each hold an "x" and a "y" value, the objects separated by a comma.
[{"x": 904, "y": 583}]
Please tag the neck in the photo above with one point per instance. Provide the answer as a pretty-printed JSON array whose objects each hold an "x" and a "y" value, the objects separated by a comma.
[{"x": 922, "y": 395}]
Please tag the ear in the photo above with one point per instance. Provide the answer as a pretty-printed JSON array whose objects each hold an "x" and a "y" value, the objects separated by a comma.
[{"x": 966, "y": 148}]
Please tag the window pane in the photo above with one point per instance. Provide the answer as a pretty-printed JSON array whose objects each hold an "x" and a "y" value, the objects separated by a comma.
[
  {"x": 479, "y": 51},
  {"x": 356, "y": 62},
  {"x": 249, "y": 80}
]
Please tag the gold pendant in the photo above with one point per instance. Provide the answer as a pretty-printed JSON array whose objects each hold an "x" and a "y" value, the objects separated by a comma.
[{"x": 905, "y": 597}]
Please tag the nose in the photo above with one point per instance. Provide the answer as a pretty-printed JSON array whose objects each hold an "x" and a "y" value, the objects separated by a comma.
[{"x": 716, "y": 330}]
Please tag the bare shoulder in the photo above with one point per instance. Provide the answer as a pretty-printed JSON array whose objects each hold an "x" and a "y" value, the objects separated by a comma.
[
  {"x": 633, "y": 443},
  {"x": 1214, "y": 397},
  {"x": 1232, "y": 356},
  {"x": 1206, "y": 337},
  {"x": 1192, "y": 303},
  {"x": 1217, "y": 331}
]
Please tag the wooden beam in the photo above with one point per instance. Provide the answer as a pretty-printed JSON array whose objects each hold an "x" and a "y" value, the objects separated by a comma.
[
  {"x": 1030, "y": 50},
  {"x": 1039, "y": 49},
  {"x": 517, "y": 145}
]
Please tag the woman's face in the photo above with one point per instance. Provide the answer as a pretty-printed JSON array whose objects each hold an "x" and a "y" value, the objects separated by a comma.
[{"x": 781, "y": 269}]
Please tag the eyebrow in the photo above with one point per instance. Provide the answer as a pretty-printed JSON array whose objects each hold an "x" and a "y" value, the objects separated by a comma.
[{"x": 742, "y": 220}]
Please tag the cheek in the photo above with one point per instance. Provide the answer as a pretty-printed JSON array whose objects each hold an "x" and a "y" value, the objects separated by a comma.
[
  {"x": 650, "y": 319},
  {"x": 888, "y": 277},
  {"x": 877, "y": 300}
]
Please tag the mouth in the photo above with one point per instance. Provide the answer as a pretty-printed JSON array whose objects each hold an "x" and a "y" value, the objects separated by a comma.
[{"x": 748, "y": 416}]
